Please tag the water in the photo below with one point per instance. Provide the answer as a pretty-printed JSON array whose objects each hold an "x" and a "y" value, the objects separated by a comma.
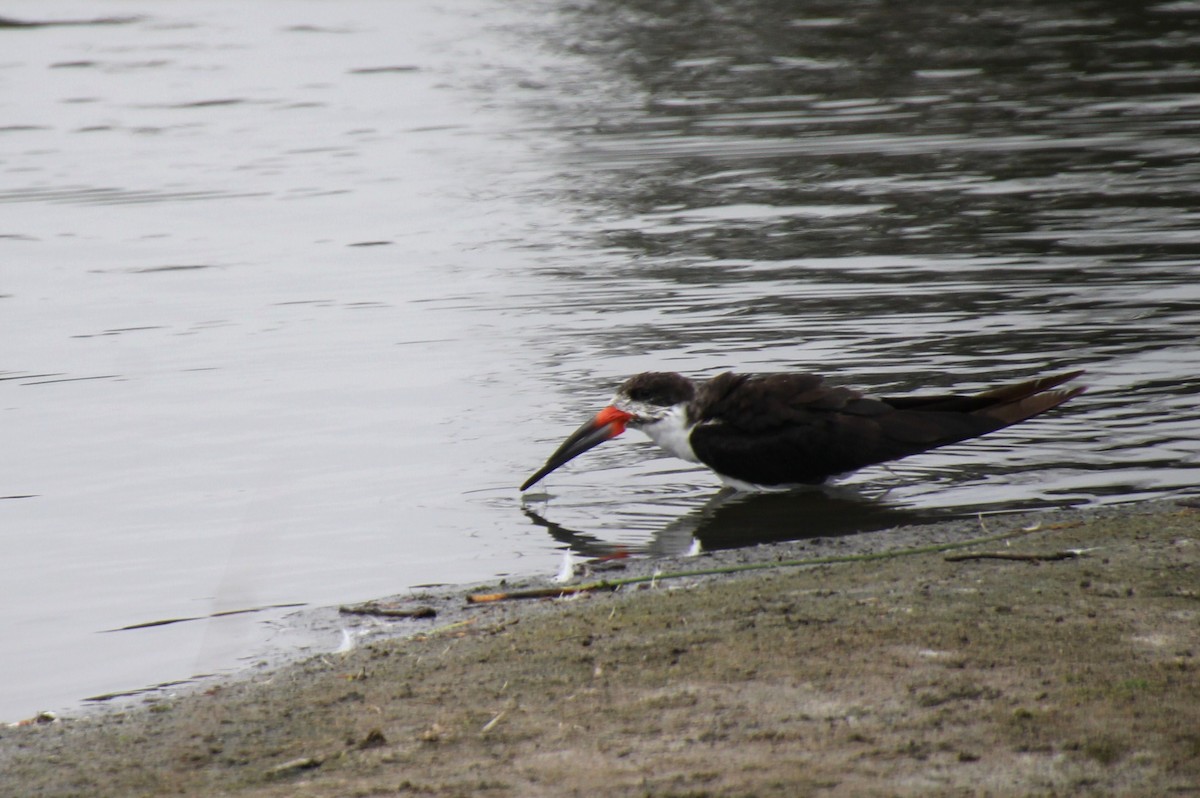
[{"x": 293, "y": 298}]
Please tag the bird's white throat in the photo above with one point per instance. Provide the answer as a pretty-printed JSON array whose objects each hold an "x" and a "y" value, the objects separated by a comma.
[{"x": 671, "y": 432}]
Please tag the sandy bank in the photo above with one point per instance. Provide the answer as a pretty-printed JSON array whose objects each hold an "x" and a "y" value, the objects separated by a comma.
[{"x": 914, "y": 675}]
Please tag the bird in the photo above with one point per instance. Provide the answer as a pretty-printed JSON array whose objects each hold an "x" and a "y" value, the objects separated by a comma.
[{"x": 785, "y": 430}]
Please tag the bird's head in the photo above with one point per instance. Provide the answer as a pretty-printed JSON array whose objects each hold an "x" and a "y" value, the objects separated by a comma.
[
  {"x": 640, "y": 401},
  {"x": 652, "y": 395}
]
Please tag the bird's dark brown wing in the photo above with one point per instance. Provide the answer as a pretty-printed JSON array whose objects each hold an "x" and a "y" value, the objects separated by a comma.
[{"x": 779, "y": 429}]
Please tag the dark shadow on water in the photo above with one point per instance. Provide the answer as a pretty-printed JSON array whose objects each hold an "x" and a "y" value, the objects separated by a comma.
[
  {"x": 11, "y": 23},
  {"x": 733, "y": 520}
]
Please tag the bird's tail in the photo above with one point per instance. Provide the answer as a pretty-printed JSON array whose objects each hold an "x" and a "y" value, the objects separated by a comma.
[{"x": 1011, "y": 404}]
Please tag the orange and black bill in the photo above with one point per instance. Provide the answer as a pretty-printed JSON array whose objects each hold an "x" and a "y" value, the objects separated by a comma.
[{"x": 608, "y": 423}]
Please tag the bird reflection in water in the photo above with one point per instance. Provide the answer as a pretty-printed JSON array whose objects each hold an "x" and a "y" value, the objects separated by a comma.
[{"x": 734, "y": 519}]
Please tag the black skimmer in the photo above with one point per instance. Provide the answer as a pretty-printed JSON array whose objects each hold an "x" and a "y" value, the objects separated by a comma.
[{"x": 778, "y": 431}]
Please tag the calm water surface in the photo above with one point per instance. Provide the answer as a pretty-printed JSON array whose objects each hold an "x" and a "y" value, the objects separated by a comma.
[{"x": 293, "y": 298}]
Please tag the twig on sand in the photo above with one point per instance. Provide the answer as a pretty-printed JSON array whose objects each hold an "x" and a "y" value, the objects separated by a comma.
[
  {"x": 374, "y": 608},
  {"x": 455, "y": 627},
  {"x": 294, "y": 766},
  {"x": 541, "y": 592},
  {"x": 491, "y": 724},
  {"x": 1068, "y": 554}
]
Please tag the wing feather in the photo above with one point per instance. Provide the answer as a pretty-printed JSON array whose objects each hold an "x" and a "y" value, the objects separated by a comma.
[{"x": 776, "y": 429}]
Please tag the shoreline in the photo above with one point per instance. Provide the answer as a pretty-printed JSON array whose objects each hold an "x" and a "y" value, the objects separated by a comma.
[{"x": 1066, "y": 659}]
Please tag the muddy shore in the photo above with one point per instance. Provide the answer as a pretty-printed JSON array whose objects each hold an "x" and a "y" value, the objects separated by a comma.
[{"x": 1061, "y": 656}]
